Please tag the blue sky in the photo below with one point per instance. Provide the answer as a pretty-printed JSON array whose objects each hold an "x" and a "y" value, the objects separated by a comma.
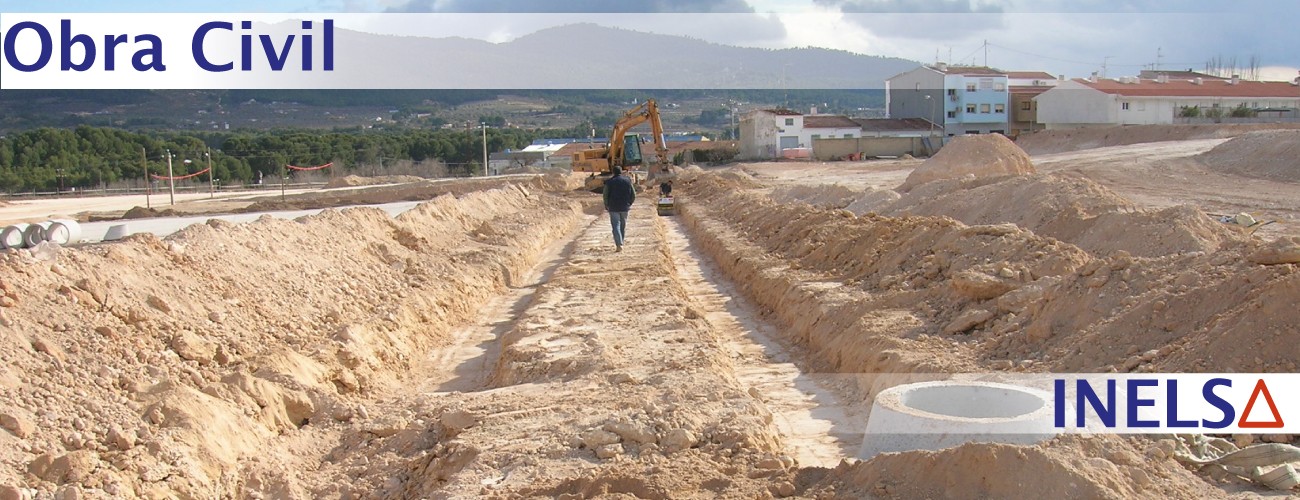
[{"x": 1073, "y": 37}]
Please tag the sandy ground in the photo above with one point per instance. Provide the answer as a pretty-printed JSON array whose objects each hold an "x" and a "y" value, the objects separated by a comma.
[
  {"x": 488, "y": 342},
  {"x": 1152, "y": 175}
]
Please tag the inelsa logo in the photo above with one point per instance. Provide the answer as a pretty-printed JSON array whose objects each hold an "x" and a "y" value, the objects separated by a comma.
[{"x": 1170, "y": 403}]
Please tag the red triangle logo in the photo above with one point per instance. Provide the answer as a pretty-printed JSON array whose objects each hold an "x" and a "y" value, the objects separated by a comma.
[{"x": 1260, "y": 388}]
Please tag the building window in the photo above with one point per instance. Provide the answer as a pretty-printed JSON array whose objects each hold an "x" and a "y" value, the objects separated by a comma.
[
  {"x": 970, "y": 108},
  {"x": 1026, "y": 105},
  {"x": 999, "y": 108},
  {"x": 970, "y": 87},
  {"x": 1124, "y": 106},
  {"x": 789, "y": 122},
  {"x": 817, "y": 136},
  {"x": 1000, "y": 86},
  {"x": 952, "y": 114},
  {"x": 848, "y": 136},
  {"x": 952, "y": 92},
  {"x": 984, "y": 108}
]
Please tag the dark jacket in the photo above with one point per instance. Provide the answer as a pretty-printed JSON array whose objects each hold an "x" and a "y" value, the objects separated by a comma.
[{"x": 619, "y": 194}]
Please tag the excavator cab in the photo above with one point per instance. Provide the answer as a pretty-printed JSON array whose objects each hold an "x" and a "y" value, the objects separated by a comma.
[{"x": 632, "y": 151}]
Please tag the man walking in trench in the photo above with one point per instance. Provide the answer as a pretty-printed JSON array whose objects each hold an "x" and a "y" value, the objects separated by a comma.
[{"x": 619, "y": 195}]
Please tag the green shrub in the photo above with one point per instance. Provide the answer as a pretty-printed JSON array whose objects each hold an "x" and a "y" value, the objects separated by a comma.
[{"x": 1241, "y": 111}]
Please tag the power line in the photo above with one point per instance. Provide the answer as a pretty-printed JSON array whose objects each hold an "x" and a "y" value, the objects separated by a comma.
[{"x": 1073, "y": 61}]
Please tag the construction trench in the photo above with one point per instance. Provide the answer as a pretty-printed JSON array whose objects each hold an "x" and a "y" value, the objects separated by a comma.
[{"x": 491, "y": 343}]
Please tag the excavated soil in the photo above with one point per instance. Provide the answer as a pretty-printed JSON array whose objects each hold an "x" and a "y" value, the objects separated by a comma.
[
  {"x": 823, "y": 196},
  {"x": 1272, "y": 155},
  {"x": 491, "y": 342},
  {"x": 1072, "y": 209},
  {"x": 1060, "y": 141},
  {"x": 971, "y": 156},
  {"x": 357, "y": 180},
  {"x": 167, "y": 367}
]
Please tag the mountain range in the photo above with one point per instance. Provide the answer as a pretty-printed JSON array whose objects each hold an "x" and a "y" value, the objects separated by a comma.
[{"x": 594, "y": 57}]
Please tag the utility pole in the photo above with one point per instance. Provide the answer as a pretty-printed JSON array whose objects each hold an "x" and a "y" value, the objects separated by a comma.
[
  {"x": 171, "y": 181},
  {"x": 986, "y": 53},
  {"x": 485, "y": 155},
  {"x": 148, "y": 184},
  {"x": 1159, "y": 56},
  {"x": 731, "y": 132},
  {"x": 212, "y": 190},
  {"x": 1104, "y": 62},
  {"x": 932, "y": 117}
]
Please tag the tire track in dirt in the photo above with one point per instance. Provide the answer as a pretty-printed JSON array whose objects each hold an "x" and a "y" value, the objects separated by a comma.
[{"x": 819, "y": 422}]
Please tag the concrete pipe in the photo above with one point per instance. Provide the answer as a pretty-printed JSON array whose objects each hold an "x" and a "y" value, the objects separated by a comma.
[
  {"x": 35, "y": 234},
  {"x": 63, "y": 232},
  {"x": 116, "y": 232},
  {"x": 12, "y": 236},
  {"x": 944, "y": 414}
]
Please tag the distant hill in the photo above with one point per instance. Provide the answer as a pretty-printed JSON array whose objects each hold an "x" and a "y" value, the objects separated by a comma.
[
  {"x": 605, "y": 63},
  {"x": 596, "y": 57}
]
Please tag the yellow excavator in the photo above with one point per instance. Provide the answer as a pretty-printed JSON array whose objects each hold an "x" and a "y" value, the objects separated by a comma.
[{"x": 624, "y": 149}]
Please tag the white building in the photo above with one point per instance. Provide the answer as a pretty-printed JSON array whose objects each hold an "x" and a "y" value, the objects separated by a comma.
[
  {"x": 1134, "y": 101},
  {"x": 829, "y": 127},
  {"x": 765, "y": 133},
  {"x": 534, "y": 155}
]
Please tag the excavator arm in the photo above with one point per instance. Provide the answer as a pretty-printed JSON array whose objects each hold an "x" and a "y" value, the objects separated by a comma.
[
  {"x": 615, "y": 153},
  {"x": 646, "y": 112}
]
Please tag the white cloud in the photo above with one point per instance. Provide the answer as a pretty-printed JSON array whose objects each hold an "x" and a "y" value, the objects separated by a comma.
[{"x": 1279, "y": 73}]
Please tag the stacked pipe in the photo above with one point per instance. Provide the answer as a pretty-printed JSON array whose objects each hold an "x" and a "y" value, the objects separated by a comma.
[{"x": 23, "y": 235}]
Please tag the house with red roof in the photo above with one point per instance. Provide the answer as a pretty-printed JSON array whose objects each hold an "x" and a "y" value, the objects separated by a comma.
[{"x": 1137, "y": 101}]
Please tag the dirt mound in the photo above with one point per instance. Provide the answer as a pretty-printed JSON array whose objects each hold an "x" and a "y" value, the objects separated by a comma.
[
  {"x": 356, "y": 180},
  {"x": 823, "y": 196},
  {"x": 988, "y": 155},
  {"x": 873, "y": 201},
  {"x": 1068, "y": 467},
  {"x": 160, "y": 368},
  {"x": 1061, "y": 141},
  {"x": 1272, "y": 155},
  {"x": 1068, "y": 208},
  {"x": 556, "y": 181},
  {"x": 145, "y": 213}
]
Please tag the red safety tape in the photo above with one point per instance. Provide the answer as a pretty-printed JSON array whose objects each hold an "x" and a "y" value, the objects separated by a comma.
[
  {"x": 327, "y": 165},
  {"x": 183, "y": 177}
]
